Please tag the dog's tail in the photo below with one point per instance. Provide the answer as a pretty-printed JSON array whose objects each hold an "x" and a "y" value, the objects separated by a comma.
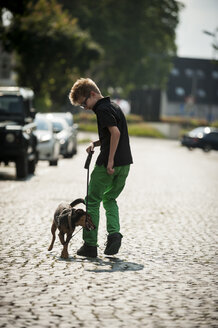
[{"x": 77, "y": 201}]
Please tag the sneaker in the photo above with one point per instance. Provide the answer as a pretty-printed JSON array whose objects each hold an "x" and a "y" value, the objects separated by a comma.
[
  {"x": 113, "y": 243},
  {"x": 87, "y": 251}
]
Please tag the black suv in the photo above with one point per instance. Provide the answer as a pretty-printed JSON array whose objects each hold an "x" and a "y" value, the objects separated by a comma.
[{"x": 17, "y": 140}]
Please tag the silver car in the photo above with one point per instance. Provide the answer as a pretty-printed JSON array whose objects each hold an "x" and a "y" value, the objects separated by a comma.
[
  {"x": 48, "y": 144},
  {"x": 66, "y": 132}
]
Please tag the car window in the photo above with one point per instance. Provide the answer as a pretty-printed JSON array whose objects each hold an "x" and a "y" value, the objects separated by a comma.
[
  {"x": 196, "y": 132},
  {"x": 10, "y": 105},
  {"x": 42, "y": 124},
  {"x": 69, "y": 121},
  {"x": 68, "y": 118},
  {"x": 57, "y": 126}
]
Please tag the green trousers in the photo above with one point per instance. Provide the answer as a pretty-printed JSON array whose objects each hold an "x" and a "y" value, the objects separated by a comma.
[{"x": 104, "y": 188}]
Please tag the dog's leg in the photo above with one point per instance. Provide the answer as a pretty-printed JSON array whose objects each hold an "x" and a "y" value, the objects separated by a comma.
[
  {"x": 64, "y": 253},
  {"x": 61, "y": 237},
  {"x": 53, "y": 229}
]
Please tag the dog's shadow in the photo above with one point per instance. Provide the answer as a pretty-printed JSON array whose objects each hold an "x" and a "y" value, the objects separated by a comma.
[{"x": 109, "y": 264}]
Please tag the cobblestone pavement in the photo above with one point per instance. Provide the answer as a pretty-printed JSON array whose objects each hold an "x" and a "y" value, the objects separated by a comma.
[{"x": 165, "y": 274}]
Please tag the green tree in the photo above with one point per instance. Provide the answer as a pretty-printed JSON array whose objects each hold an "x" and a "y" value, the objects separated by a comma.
[
  {"x": 51, "y": 50},
  {"x": 138, "y": 39}
]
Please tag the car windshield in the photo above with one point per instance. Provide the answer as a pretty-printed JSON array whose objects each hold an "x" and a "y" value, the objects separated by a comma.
[
  {"x": 69, "y": 121},
  {"x": 10, "y": 105},
  {"x": 42, "y": 124},
  {"x": 67, "y": 118}
]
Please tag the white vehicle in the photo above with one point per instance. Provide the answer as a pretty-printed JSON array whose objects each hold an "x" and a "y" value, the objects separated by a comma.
[
  {"x": 67, "y": 116},
  {"x": 65, "y": 131},
  {"x": 48, "y": 144}
]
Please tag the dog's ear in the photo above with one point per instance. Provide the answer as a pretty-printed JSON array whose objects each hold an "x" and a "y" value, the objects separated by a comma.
[
  {"x": 77, "y": 201},
  {"x": 76, "y": 214},
  {"x": 79, "y": 212}
]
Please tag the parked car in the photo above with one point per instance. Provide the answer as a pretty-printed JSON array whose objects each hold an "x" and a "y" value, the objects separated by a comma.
[
  {"x": 205, "y": 138},
  {"x": 68, "y": 117},
  {"x": 65, "y": 134},
  {"x": 18, "y": 142},
  {"x": 48, "y": 144}
]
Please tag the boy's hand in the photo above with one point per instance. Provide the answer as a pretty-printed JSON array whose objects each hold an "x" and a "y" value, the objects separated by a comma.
[
  {"x": 110, "y": 169},
  {"x": 90, "y": 148}
]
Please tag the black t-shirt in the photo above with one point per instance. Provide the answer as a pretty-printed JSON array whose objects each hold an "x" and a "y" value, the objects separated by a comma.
[{"x": 110, "y": 114}]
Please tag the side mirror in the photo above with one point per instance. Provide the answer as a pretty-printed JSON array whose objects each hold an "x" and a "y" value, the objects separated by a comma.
[{"x": 56, "y": 130}]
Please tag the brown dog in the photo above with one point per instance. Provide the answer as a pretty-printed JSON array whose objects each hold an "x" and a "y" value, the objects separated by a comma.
[{"x": 66, "y": 218}]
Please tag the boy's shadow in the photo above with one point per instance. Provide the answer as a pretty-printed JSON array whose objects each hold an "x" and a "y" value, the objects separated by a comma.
[{"x": 112, "y": 264}]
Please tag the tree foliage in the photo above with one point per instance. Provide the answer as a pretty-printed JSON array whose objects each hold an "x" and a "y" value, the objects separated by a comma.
[
  {"x": 123, "y": 43},
  {"x": 51, "y": 50},
  {"x": 138, "y": 38}
]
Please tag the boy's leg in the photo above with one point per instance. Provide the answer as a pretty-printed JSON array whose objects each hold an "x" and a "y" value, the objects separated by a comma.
[
  {"x": 110, "y": 195},
  {"x": 98, "y": 184}
]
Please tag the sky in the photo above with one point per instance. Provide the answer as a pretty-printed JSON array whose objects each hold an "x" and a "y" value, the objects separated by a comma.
[{"x": 197, "y": 16}]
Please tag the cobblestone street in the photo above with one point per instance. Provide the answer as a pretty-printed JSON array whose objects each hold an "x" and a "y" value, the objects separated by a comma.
[{"x": 165, "y": 274}]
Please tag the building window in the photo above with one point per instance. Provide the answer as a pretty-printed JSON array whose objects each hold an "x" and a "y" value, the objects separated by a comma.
[
  {"x": 215, "y": 75},
  {"x": 175, "y": 71},
  {"x": 200, "y": 73},
  {"x": 189, "y": 72},
  {"x": 180, "y": 91},
  {"x": 201, "y": 93}
]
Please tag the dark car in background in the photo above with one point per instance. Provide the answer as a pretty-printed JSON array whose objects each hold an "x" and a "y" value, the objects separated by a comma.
[
  {"x": 17, "y": 140},
  {"x": 205, "y": 138}
]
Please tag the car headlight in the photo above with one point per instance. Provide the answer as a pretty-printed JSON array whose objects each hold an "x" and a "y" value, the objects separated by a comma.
[{"x": 10, "y": 137}]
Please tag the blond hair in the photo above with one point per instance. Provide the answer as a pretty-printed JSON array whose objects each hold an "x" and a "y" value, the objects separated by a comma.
[{"x": 82, "y": 89}]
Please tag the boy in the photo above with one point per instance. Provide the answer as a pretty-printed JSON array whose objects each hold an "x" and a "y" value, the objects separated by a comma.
[{"x": 112, "y": 165}]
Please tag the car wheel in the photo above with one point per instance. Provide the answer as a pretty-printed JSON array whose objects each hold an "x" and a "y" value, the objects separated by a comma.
[
  {"x": 207, "y": 148},
  {"x": 22, "y": 166},
  {"x": 68, "y": 155},
  {"x": 74, "y": 151},
  {"x": 37, "y": 157},
  {"x": 31, "y": 166},
  {"x": 53, "y": 163}
]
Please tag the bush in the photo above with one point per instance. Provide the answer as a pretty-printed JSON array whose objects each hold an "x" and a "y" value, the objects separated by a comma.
[
  {"x": 138, "y": 130},
  {"x": 133, "y": 118},
  {"x": 85, "y": 117},
  {"x": 144, "y": 130},
  {"x": 215, "y": 124},
  {"x": 185, "y": 122},
  {"x": 88, "y": 127}
]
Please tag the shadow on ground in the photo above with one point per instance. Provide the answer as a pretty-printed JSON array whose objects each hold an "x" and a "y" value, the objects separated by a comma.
[{"x": 109, "y": 264}]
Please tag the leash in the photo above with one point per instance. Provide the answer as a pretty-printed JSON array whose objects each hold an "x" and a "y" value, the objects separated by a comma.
[
  {"x": 77, "y": 232},
  {"x": 87, "y": 164}
]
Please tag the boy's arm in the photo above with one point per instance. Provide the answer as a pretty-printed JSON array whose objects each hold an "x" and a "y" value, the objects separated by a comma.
[
  {"x": 114, "y": 140},
  {"x": 93, "y": 145}
]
